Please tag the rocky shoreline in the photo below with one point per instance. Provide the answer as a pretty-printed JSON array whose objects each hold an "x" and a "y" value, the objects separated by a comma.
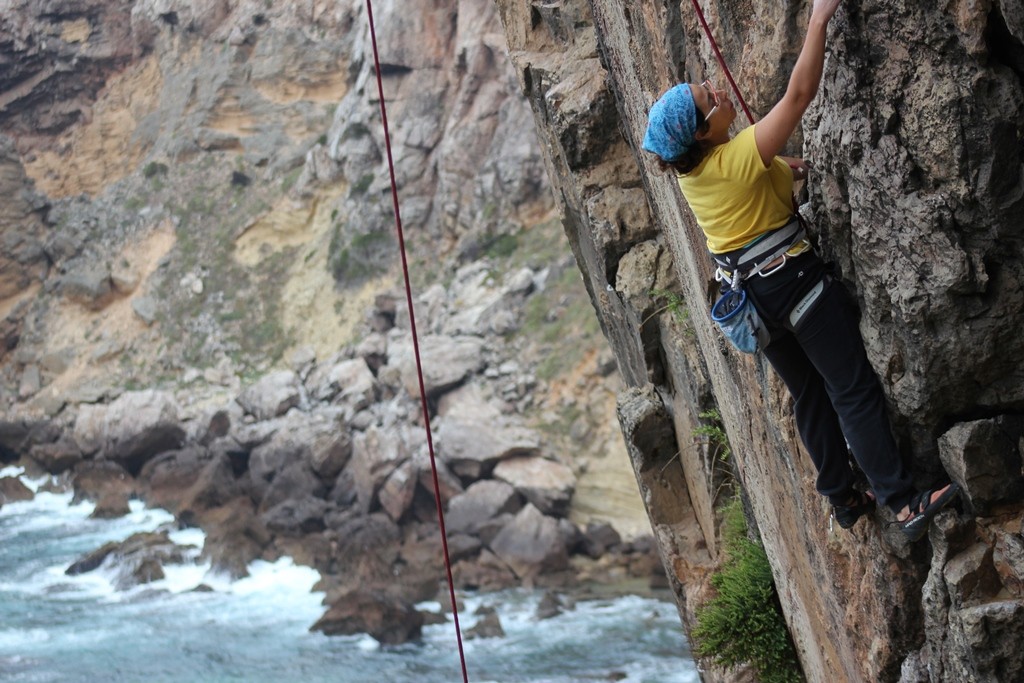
[{"x": 327, "y": 462}]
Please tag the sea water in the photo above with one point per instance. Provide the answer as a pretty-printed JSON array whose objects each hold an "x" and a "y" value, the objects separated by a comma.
[{"x": 67, "y": 629}]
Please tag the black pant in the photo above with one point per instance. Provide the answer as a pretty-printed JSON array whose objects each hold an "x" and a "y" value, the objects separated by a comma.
[{"x": 837, "y": 396}]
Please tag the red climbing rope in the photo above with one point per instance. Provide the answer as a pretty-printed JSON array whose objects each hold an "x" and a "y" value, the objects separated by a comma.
[
  {"x": 415, "y": 341},
  {"x": 721, "y": 61}
]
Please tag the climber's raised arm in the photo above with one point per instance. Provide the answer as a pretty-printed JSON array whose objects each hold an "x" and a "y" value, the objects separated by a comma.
[{"x": 772, "y": 132}]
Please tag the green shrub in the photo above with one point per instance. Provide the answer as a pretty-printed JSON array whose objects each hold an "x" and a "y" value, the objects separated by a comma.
[
  {"x": 502, "y": 246},
  {"x": 154, "y": 168},
  {"x": 714, "y": 435},
  {"x": 743, "y": 623},
  {"x": 673, "y": 303}
]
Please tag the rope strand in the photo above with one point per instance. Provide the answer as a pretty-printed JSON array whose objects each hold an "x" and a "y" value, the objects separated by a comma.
[
  {"x": 415, "y": 343},
  {"x": 721, "y": 61}
]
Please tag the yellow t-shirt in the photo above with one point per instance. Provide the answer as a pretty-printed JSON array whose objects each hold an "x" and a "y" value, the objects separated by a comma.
[{"x": 734, "y": 197}]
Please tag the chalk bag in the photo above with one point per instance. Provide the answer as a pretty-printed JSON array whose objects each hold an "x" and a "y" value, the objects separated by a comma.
[{"x": 736, "y": 316}]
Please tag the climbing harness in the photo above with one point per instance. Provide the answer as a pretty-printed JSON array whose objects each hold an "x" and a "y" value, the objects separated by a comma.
[
  {"x": 415, "y": 343},
  {"x": 764, "y": 256}
]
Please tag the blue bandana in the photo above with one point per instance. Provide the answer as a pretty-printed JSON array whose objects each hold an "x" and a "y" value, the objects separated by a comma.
[{"x": 671, "y": 124}]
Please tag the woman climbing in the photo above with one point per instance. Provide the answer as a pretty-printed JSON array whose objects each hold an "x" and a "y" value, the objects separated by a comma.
[{"x": 740, "y": 192}]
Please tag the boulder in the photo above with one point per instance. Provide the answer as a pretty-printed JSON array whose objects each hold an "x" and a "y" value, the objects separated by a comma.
[
  {"x": 485, "y": 572},
  {"x": 1008, "y": 559},
  {"x": 296, "y": 481},
  {"x": 600, "y": 537},
  {"x": 166, "y": 478},
  {"x": 547, "y": 484},
  {"x": 550, "y": 606},
  {"x": 488, "y": 626},
  {"x": 484, "y": 308},
  {"x": 272, "y": 395},
  {"x": 235, "y": 536},
  {"x": 376, "y": 454},
  {"x": 97, "y": 480},
  {"x": 446, "y": 361},
  {"x": 19, "y": 435},
  {"x": 13, "y": 490},
  {"x": 472, "y": 448},
  {"x": 59, "y": 456},
  {"x": 531, "y": 544},
  {"x": 318, "y": 440},
  {"x": 135, "y": 427},
  {"x": 971, "y": 576},
  {"x": 88, "y": 284},
  {"x": 481, "y": 502},
  {"x": 215, "y": 485},
  {"x": 296, "y": 517},
  {"x": 347, "y": 382},
  {"x": 396, "y": 494},
  {"x": 449, "y": 485},
  {"x": 329, "y": 452},
  {"x": 146, "y": 308},
  {"x": 138, "y": 559},
  {"x": 31, "y": 381},
  {"x": 113, "y": 503},
  {"x": 389, "y": 620}
]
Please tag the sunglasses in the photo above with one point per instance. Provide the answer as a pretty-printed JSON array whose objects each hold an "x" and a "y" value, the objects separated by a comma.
[{"x": 712, "y": 97}]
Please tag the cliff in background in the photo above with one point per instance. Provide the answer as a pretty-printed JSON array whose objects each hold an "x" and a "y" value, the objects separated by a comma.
[
  {"x": 201, "y": 305},
  {"x": 918, "y": 196}
]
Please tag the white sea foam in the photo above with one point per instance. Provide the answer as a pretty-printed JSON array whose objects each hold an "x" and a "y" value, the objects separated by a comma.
[
  {"x": 11, "y": 471},
  {"x": 16, "y": 640},
  {"x": 260, "y": 624}
]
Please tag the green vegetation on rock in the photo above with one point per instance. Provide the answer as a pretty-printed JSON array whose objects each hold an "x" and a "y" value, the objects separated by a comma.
[{"x": 743, "y": 623}]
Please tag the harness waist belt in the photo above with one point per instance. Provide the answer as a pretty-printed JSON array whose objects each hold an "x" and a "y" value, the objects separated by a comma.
[{"x": 771, "y": 246}]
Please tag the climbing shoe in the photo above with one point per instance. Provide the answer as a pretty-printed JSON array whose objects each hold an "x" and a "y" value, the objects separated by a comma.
[
  {"x": 859, "y": 504},
  {"x": 923, "y": 508}
]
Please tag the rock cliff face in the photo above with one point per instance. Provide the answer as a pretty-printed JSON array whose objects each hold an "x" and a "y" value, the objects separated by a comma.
[{"x": 917, "y": 196}]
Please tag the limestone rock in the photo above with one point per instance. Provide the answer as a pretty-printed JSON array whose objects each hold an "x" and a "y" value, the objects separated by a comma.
[
  {"x": 138, "y": 559},
  {"x": 31, "y": 382},
  {"x": 396, "y": 493},
  {"x": 348, "y": 382},
  {"x": 88, "y": 284},
  {"x": 296, "y": 516},
  {"x": 146, "y": 308},
  {"x": 547, "y": 484},
  {"x": 488, "y": 626},
  {"x": 390, "y": 621},
  {"x": 446, "y": 361},
  {"x": 971, "y": 576},
  {"x": 376, "y": 454},
  {"x": 272, "y": 395},
  {"x": 59, "y": 456},
  {"x": 166, "y": 477},
  {"x": 991, "y": 634},
  {"x": 472, "y": 448},
  {"x": 139, "y": 425},
  {"x": 479, "y": 503},
  {"x": 531, "y": 544},
  {"x": 13, "y": 490},
  {"x": 99, "y": 480},
  {"x": 985, "y": 458}
]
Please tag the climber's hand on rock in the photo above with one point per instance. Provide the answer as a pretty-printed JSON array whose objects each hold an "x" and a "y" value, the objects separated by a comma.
[
  {"x": 800, "y": 167},
  {"x": 824, "y": 9}
]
